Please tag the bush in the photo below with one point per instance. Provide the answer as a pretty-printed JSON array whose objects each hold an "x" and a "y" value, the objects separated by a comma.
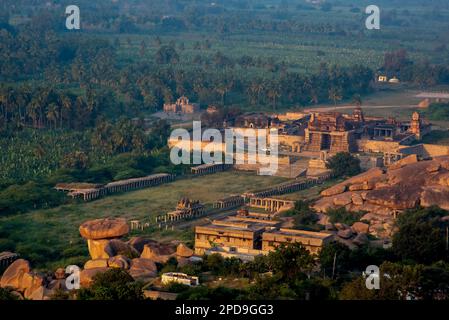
[
  {"x": 344, "y": 216},
  {"x": 7, "y": 294}
]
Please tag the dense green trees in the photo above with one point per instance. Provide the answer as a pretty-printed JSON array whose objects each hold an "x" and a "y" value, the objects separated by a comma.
[
  {"x": 438, "y": 111},
  {"x": 343, "y": 164},
  {"x": 422, "y": 235},
  {"x": 114, "y": 284},
  {"x": 6, "y": 294},
  {"x": 304, "y": 217},
  {"x": 402, "y": 282}
]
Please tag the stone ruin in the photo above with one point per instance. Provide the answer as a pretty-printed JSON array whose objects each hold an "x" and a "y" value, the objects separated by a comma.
[
  {"x": 107, "y": 250},
  {"x": 385, "y": 193}
]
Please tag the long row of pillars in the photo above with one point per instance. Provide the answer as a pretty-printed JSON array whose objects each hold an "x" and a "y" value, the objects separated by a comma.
[
  {"x": 272, "y": 205},
  {"x": 209, "y": 169},
  {"x": 230, "y": 202},
  {"x": 166, "y": 218},
  {"x": 7, "y": 261},
  {"x": 142, "y": 183},
  {"x": 292, "y": 187}
]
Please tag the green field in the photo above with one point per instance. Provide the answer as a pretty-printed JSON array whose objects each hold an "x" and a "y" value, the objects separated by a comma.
[{"x": 50, "y": 237}]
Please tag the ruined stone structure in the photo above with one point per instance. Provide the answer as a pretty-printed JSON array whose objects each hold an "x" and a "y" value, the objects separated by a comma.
[
  {"x": 271, "y": 204},
  {"x": 312, "y": 241},
  {"x": 182, "y": 105},
  {"x": 229, "y": 202},
  {"x": 253, "y": 120},
  {"x": 210, "y": 168},
  {"x": 91, "y": 192},
  {"x": 6, "y": 259},
  {"x": 185, "y": 209},
  {"x": 138, "y": 225},
  {"x": 287, "y": 187}
]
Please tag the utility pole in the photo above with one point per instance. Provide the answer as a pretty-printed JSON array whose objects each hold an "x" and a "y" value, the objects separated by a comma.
[
  {"x": 333, "y": 267},
  {"x": 447, "y": 238}
]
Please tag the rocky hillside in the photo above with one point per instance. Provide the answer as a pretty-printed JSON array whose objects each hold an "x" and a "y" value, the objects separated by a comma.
[{"x": 384, "y": 193}]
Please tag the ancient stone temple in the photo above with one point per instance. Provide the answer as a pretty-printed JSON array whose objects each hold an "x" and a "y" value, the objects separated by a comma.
[
  {"x": 253, "y": 120},
  {"x": 185, "y": 208},
  {"x": 357, "y": 115},
  {"x": 329, "y": 131},
  {"x": 416, "y": 125},
  {"x": 182, "y": 105}
]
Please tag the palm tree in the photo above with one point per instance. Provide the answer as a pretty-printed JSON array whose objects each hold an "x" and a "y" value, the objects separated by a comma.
[
  {"x": 221, "y": 88},
  {"x": 357, "y": 100},
  {"x": 32, "y": 110},
  {"x": 260, "y": 87},
  {"x": 66, "y": 108},
  {"x": 335, "y": 95},
  {"x": 274, "y": 93},
  {"x": 52, "y": 114}
]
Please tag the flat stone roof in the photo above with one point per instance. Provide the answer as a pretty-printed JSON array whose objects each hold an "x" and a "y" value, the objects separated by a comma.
[
  {"x": 235, "y": 223},
  {"x": 300, "y": 233}
]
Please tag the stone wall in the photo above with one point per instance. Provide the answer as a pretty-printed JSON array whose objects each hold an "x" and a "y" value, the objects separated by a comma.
[
  {"x": 426, "y": 150},
  {"x": 377, "y": 146}
]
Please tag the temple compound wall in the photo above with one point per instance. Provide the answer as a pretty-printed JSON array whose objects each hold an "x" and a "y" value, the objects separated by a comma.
[
  {"x": 426, "y": 150},
  {"x": 373, "y": 146}
]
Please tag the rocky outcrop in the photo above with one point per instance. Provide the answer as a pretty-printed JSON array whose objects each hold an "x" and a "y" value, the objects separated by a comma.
[
  {"x": 104, "y": 228},
  {"x": 158, "y": 252},
  {"x": 13, "y": 275},
  {"x": 105, "y": 249},
  {"x": 183, "y": 251},
  {"x": 142, "y": 268},
  {"x": 28, "y": 284},
  {"x": 413, "y": 158},
  {"x": 361, "y": 239},
  {"x": 360, "y": 227},
  {"x": 119, "y": 261},
  {"x": 435, "y": 195},
  {"x": 139, "y": 242},
  {"x": 97, "y": 263},
  {"x": 345, "y": 234},
  {"x": 403, "y": 185},
  {"x": 87, "y": 275},
  {"x": 332, "y": 191}
]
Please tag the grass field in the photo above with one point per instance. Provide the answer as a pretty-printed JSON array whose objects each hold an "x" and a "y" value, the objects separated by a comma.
[{"x": 50, "y": 238}]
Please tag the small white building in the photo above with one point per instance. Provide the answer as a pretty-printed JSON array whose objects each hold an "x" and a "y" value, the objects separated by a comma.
[{"x": 178, "y": 277}]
